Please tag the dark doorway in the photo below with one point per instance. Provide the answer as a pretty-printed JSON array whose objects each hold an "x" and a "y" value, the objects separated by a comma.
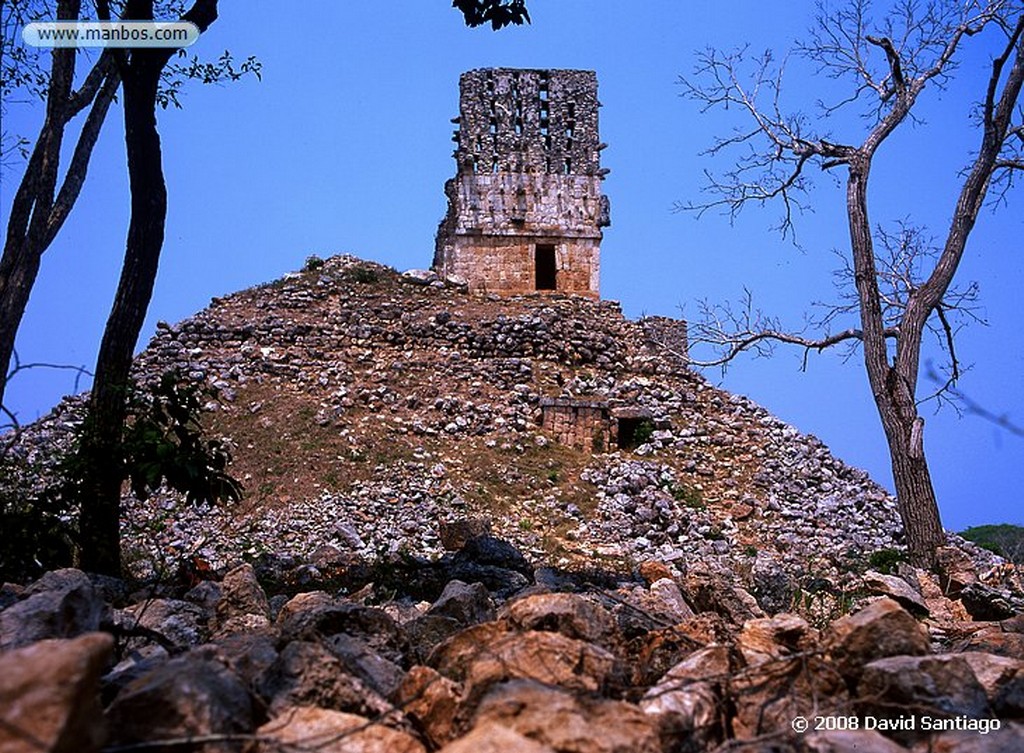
[
  {"x": 633, "y": 432},
  {"x": 546, "y": 269}
]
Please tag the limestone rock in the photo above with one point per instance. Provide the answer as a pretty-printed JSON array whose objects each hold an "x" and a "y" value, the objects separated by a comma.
[
  {"x": 327, "y": 731},
  {"x": 652, "y": 570},
  {"x": 184, "y": 696},
  {"x": 454, "y": 534},
  {"x": 430, "y": 700},
  {"x": 453, "y": 657},
  {"x": 660, "y": 650},
  {"x": 771, "y": 638},
  {"x": 361, "y": 661},
  {"x": 317, "y": 617},
  {"x": 956, "y": 570},
  {"x": 569, "y": 723},
  {"x": 491, "y": 737},
  {"x": 883, "y": 628},
  {"x": 849, "y": 741},
  {"x": 243, "y": 604},
  {"x": 307, "y": 674},
  {"x": 181, "y": 624},
  {"x": 61, "y": 604},
  {"x": 668, "y": 601},
  {"x": 686, "y": 700},
  {"x": 569, "y": 614},
  {"x": 993, "y": 639},
  {"x": 983, "y": 602},
  {"x": 549, "y": 658},
  {"x": 49, "y": 695},
  {"x": 941, "y": 685},
  {"x": 419, "y": 276},
  {"x": 426, "y": 633},
  {"x": 247, "y": 655},
  {"x": 1008, "y": 739},
  {"x": 993, "y": 672},
  {"x": 896, "y": 589},
  {"x": 783, "y": 677},
  {"x": 468, "y": 604},
  {"x": 711, "y": 593},
  {"x": 1008, "y": 702}
]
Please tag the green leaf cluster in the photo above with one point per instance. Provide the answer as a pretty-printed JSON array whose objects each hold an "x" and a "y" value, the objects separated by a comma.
[{"x": 164, "y": 444}]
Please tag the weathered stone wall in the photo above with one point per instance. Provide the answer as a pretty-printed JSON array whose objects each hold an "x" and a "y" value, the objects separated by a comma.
[
  {"x": 528, "y": 121},
  {"x": 505, "y": 264},
  {"x": 528, "y": 175},
  {"x": 581, "y": 424},
  {"x": 667, "y": 338},
  {"x": 561, "y": 206}
]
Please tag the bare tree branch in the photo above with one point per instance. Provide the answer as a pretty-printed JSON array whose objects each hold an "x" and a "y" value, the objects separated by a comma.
[{"x": 903, "y": 283}]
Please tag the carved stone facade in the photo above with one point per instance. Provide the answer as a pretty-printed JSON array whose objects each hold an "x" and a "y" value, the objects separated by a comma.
[{"x": 525, "y": 208}]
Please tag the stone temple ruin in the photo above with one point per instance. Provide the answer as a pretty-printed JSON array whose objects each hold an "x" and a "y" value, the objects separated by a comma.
[{"x": 525, "y": 208}]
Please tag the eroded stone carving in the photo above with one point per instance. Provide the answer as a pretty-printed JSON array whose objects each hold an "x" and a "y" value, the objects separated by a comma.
[{"x": 525, "y": 208}]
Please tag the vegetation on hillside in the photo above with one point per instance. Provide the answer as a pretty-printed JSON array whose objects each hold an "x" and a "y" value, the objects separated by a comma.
[{"x": 1004, "y": 539}]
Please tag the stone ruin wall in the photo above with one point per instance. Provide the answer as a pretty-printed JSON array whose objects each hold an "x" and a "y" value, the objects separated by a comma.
[
  {"x": 505, "y": 265},
  {"x": 580, "y": 424},
  {"x": 668, "y": 338},
  {"x": 528, "y": 175}
]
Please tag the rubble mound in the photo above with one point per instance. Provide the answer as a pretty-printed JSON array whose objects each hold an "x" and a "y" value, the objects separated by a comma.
[
  {"x": 482, "y": 524},
  {"x": 556, "y": 666},
  {"x": 366, "y": 408}
]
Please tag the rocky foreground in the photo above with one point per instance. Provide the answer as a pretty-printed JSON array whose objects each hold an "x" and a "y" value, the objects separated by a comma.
[{"x": 478, "y": 652}]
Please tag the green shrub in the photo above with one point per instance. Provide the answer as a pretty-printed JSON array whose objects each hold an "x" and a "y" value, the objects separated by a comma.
[
  {"x": 643, "y": 433},
  {"x": 38, "y": 528},
  {"x": 886, "y": 560},
  {"x": 364, "y": 274},
  {"x": 1003, "y": 539},
  {"x": 163, "y": 444},
  {"x": 689, "y": 496},
  {"x": 313, "y": 263}
]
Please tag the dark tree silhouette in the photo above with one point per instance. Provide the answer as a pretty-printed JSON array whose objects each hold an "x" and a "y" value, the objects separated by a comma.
[
  {"x": 101, "y": 450},
  {"x": 497, "y": 13},
  {"x": 40, "y": 207}
]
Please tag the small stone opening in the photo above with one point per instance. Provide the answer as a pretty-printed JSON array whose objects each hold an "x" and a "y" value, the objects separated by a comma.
[
  {"x": 633, "y": 431},
  {"x": 546, "y": 276}
]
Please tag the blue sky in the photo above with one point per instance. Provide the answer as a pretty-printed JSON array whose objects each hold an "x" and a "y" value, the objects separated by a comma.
[{"x": 345, "y": 145}]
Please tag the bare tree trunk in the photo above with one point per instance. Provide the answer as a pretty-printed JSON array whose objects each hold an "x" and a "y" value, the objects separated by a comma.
[
  {"x": 36, "y": 215},
  {"x": 893, "y": 386},
  {"x": 915, "y": 496},
  {"x": 101, "y": 449},
  {"x": 107, "y": 405}
]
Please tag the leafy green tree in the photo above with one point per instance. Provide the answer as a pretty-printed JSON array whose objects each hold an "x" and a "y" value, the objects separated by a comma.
[
  {"x": 43, "y": 200},
  {"x": 1004, "y": 539},
  {"x": 497, "y": 13}
]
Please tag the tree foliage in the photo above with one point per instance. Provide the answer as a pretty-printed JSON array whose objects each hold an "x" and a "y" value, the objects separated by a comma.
[
  {"x": 1004, "y": 539},
  {"x": 44, "y": 198},
  {"x": 164, "y": 447},
  {"x": 497, "y": 13}
]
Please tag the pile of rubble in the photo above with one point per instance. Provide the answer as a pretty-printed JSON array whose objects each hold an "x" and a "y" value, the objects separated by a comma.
[
  {"x": 479, "y": 653},
  {"x": 364, "y": 407}
]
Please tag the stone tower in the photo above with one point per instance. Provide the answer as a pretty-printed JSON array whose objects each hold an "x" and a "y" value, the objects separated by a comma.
[{"x": 525, "y": 208}]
